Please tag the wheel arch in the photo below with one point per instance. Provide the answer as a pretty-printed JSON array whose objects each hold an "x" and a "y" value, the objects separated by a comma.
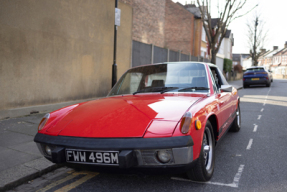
[{"x": 214, "y": 122}]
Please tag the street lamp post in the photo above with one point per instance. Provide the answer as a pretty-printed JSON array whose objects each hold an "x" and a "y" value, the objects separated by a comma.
[{"x": 114, "y": 70}]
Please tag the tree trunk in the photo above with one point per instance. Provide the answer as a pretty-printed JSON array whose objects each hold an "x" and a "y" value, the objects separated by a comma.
[{"x": 213, "y": 57}]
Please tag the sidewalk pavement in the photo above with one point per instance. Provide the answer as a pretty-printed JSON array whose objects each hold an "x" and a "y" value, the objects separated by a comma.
[
  {"x": 20, "y": 159},
  {"x": 238, "y": 84}
]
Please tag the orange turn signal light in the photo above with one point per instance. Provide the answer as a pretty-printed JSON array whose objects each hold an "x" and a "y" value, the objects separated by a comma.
[{"x": 198, "y": 124}]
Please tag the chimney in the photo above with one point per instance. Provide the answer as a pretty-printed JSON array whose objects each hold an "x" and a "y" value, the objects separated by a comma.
[
  {"x": 285, "y": 46},
  {"x": 275, "y": 47},
  {"x": 262, "y": 50}
]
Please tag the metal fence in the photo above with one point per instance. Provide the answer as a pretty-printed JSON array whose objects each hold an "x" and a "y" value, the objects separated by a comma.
[{"x": 143, "y": 54}]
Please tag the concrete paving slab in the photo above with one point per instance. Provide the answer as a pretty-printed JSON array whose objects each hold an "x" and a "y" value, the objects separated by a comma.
[
  {"x": 15, "y": 173},
  {"x": 25, "y": 128},
  {"x": 39, "y": 164},
  {"x": 29, "y": 148},
  {"x": 2, "y": 149},
  {"x": 10, "y": 158},
  {"x": 15, "y": 176},
  {"x": 11, "y": 139}
]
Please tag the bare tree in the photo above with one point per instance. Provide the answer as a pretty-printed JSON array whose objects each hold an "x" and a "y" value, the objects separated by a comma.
[
  {"x": 216, "y": 34},
  {"x": 256, "y": 37}
]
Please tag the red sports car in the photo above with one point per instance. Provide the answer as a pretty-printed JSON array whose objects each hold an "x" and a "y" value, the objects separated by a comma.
[{"x": 158, "y": 118}]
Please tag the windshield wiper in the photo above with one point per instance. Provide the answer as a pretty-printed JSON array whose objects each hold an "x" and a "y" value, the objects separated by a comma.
[
  {"x": 143, "y": 90},
  {"x": 168, "y": 89},
  {"x": 155, "y": 89},
  {"x": 195, "y": 88}
]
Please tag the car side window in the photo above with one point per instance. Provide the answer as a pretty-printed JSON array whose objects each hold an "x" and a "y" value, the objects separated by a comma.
[
  {"x": 214, "y": 84},
  {"x": 218, "y": 77}
]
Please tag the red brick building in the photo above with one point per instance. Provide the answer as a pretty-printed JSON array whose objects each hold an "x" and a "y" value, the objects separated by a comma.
[{"x": 164, "y": 24}]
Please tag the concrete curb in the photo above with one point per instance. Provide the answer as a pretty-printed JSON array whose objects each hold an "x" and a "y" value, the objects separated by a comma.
[
  {"x": 18, "y": 112},
  {"x": 29, "y": 177}
]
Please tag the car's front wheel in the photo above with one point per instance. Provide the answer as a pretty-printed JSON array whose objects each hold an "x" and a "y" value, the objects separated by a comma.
[{"x": 204, "y": 167}]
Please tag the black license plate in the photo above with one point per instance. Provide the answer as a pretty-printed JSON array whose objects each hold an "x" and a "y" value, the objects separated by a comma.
[{"x": 92, "y": 157}]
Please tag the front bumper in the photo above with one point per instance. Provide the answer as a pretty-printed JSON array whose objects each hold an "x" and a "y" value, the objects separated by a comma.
[{"x": 135, "y": 154}]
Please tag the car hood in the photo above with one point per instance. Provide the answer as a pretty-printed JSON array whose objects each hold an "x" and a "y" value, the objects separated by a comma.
[{"x": 122, "y": 116}]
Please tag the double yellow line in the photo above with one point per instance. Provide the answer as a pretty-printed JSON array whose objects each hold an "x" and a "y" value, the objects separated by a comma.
[{"x": 88, "y": 175}]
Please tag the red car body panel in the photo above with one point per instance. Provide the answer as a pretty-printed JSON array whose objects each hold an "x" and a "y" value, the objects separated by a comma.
[
  {"x": 124, "y": 116},
  {"x": 147, "y": 115}
]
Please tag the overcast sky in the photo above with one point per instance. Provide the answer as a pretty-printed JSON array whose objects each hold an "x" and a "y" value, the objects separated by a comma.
[{"x": 273, "y": 12}]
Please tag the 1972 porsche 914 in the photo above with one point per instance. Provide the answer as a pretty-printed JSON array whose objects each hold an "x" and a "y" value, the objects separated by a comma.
[{"x": 158, "y": 118}]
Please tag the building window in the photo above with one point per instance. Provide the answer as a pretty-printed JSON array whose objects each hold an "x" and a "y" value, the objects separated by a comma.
[{"x": 203, "y": 35}]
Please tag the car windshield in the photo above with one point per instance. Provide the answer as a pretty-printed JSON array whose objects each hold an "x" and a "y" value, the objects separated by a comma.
[
  {"x": 255, "y": 69},
  {"x": 175, "y": 77}
]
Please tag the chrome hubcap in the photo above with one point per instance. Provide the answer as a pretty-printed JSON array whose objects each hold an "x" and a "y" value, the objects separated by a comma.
[
  {"x": 238, "y": 117},
  {"x": 207, "y": 149}
]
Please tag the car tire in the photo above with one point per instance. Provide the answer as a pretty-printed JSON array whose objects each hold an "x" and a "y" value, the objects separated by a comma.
[
  {"x": 235, "y": 127},
  {"x": 245, "y": 86},
  {"x": 268, "y": 84},
  {"x": 204, "y": 166}
]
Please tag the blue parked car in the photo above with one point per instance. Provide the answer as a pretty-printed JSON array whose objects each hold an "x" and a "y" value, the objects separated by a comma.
[{"x": 257, "y": 75}]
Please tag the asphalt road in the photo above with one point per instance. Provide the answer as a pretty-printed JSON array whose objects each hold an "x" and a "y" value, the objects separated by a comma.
[{"x": 253, "y": 159}]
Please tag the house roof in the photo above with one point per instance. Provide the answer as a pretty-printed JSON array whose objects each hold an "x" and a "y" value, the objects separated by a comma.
[
  {"x": 280, "y": 52},
  {"x": 245, "y": 55},
  {"x": 271, "y": 53},
  {"x": 194, "y": 10},
  {"x": 227, "y": 34},
  {"x": 265, "y": 53},
  {"x": 236, "y": 57},
  {"x": 284, "y": 52},
  {"x": 214, "y": 22}
]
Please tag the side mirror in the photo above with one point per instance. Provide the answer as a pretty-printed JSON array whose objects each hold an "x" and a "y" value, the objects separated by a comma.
[{"x": 226, "y": 88}]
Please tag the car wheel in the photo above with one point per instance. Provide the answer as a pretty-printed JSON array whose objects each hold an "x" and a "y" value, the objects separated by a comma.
[
  {"x": 245, "y": 86},
  {"x": 235, "y": 127},
  {"x": 204, "y": 166},
  {"x": 271, "y": 80},
  {"x": 268, "y": 84}
]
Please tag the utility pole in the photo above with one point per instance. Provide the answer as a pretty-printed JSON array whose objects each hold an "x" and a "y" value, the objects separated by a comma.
[
  {"x": 117, "y": 20},
  {"x": 254, "y": 46}
]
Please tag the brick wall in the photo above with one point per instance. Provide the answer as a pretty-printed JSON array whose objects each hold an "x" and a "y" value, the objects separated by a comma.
[
  {"x": 148, "y": 21},
  {"x": 197, "y": 37},
  {"x": 179, "y": 25},
  {"x": 164, "y": 24}
]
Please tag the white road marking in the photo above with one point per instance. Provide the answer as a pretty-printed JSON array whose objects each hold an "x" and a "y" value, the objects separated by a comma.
[
  {"x": 259, "y": 117},
  {"x": 234, "y": 184},
  {"x": 264, "y": 104},
  {"x": 238, "y": 175},
  {"x": 262, "y": 109},
  {"x": 255, "y": 128},
  {"x": 238, "y": 155},
  {"x": 249, "y": 144}
]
